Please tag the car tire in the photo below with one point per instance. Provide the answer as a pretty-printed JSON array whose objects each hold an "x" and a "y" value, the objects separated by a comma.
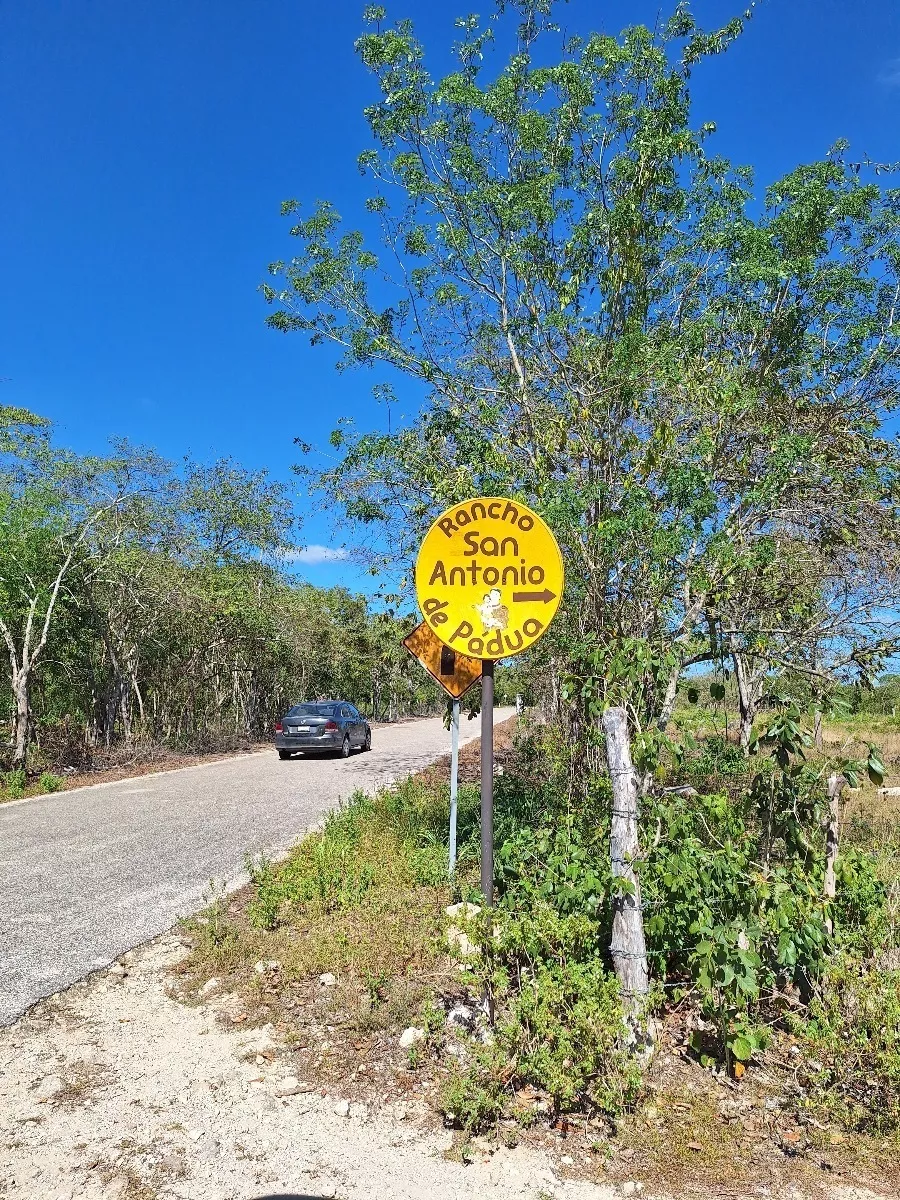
[
  {"x": 344, "y": 751},
  {"x": 367, "y": 744},
  {"x": 283, "y": 754}
]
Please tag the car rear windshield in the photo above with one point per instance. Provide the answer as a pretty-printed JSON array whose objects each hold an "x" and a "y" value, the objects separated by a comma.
[{"x": 313, "y": 710}]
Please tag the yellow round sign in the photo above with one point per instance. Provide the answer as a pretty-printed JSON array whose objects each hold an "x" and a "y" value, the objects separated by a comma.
[{"x": 489, "y": 577}]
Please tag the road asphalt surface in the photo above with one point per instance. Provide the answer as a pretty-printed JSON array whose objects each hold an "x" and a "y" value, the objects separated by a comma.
[{"x": 86, "y": 875}]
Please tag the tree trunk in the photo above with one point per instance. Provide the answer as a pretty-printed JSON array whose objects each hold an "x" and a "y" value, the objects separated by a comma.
[
  {"x": 111, "y": 707},
  {"x": 628, "y": 947},
  {"x": 125, "y": 711},
  {"x": 555, "y": 694},
  {"x": 818, "y": 738},
  {"x": 832, "y": 838},
  {"x": 748, "y": 716},
  {"x": 21, "y": 720},
  {"x": 749, "y": 690},
  {"x": 668, "y": 703}
]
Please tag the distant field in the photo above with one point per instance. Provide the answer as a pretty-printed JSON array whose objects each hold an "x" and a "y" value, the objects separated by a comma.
[{"x": 848, "y": 738}]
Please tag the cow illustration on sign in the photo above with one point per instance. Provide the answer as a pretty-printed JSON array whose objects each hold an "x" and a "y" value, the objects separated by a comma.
[{"x": 494, "y": 615}]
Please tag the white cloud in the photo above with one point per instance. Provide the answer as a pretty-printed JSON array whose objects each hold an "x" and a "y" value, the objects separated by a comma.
[
  {"x": 314, "y": 555},
  {"x": 890, "y": 76}
]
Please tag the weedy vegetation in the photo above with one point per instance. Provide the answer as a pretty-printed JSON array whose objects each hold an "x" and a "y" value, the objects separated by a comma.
[{"x": 748, "y": 956}]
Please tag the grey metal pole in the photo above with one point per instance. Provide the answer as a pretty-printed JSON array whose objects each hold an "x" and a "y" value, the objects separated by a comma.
[
  {"x": 487, "y": 781},
  {"x": 454, "y": 781}
]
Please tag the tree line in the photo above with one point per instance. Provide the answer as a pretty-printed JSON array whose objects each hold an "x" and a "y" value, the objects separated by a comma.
[{"x": 142, "y": 600}]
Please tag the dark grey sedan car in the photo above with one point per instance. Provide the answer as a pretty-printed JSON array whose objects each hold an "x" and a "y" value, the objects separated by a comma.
[{"x": 322, "y": 727}]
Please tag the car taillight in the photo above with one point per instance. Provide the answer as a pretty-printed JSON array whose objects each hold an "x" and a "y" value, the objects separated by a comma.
[
  {"x": 331, "y": 726},
  {"x": 278, "y": 728}
]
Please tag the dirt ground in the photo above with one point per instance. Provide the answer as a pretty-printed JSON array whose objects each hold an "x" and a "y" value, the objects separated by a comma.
[
  {"x": 115, "y": 1089},
  {"x": 135, "y": 764}
]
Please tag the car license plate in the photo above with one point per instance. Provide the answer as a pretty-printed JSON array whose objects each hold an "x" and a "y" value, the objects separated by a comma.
[{"x": 303, "y": 729}]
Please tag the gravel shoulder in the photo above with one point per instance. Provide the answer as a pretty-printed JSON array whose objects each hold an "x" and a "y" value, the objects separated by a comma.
[
  {"x": 114, "y": 1089},
  {"x": 88, "y": 874}
]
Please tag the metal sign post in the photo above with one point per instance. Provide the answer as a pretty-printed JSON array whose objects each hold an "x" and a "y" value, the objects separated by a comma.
[
  {"x": 455, "y": 673},
  {"x": 489, "y": 580},
  {"x": 454, "y": 781},
  {"x": 487, "y": 781}
]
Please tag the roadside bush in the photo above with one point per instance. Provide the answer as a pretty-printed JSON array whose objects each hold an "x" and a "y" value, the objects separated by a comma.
[
  {"x": 565, "y": 866},
  {"x": 732, "y": 884},
  {"x": 14, "y": 782},
  {"x": 560, "y": 1028},
  {"x": 860, "y": 904},
  {"x": 49, "y": 782},
  {"x": 565, "y": 1033},
  {"x": 559, "y": 1023},
  {"x": 475, "y": 1097},
  {"x": 717, "y": 759}
]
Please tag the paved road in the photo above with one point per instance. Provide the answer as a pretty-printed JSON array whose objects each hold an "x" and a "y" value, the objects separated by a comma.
[{"x": 88, "y": 874}]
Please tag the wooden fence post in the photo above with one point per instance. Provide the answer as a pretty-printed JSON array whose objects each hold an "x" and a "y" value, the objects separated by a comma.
[
  {"x": 832, "y": 837},
  {"x": 628, "y": 947}
]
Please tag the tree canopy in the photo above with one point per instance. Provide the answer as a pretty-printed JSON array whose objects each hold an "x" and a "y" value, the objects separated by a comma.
[{"x": 687, "y": 374}]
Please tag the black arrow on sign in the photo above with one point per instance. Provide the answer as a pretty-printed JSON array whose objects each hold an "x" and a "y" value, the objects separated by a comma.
[{"x": 546, "y": 595}]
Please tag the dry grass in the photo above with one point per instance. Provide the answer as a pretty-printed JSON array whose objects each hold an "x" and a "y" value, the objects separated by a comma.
[
  {"x": 356, "y": 901},
  {"x": 386, "y": 956},
  {"x": 145, "y": 1177},
  {"x": 80, "y": 1082},
  {"x": 701, "y": 1133},
  {"x": 391, "y": 934}
]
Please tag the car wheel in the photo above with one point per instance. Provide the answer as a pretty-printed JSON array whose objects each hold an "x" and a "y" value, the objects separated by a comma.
[
  {"x": 283, "y": 754},
  {"x": 345, "y": 748},
  {"x": 367, "y": 744}
]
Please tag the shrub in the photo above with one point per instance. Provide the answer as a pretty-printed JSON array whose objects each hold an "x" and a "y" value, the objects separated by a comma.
[
  {"x": 49, "y": 782},
  {"x": 718, "y": 759},
  {"x": 560, "y": 1024},
  {"x": 475, "y": 1097},
  {"x": 15, "y": 784},
  {"x": 861, "y": 896},
  {"x": 565, "y": 1032},
  {"x": 566, "y": 866},
  {"x": 732, "y": 884}
]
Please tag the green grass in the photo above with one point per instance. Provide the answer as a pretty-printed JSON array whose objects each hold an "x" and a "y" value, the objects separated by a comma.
[{"x": 362, "y": 899}]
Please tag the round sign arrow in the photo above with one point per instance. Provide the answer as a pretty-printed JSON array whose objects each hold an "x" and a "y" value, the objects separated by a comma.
[{"x": 489, "y": 577}]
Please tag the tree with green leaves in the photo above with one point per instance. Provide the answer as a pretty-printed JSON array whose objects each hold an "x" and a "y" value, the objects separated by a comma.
[
  {"x": 144, "y": 602},
  {"x": 805, "y": 616},
  {"x": 607, "y": 320},
  {"x": 51, "y": 505}
]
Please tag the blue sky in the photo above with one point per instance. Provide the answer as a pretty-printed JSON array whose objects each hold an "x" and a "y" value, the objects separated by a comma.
[{"x": 146, "y": 147}]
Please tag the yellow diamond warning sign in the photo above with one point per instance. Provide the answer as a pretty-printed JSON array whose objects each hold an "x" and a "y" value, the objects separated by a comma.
[
  {"x": 453, "y": 671},
  {"x": 489, "y": 577}
]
